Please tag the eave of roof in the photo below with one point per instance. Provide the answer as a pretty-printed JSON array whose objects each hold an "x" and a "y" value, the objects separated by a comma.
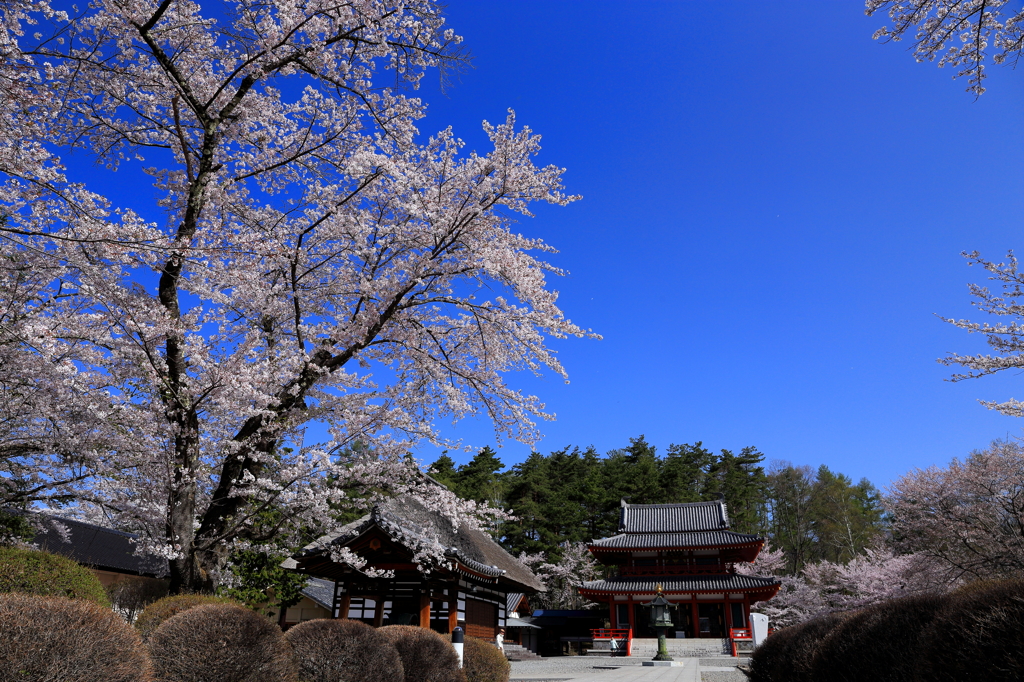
[
  {"x": 728, "y": 582},
  {"x": 680, "y": 541}
]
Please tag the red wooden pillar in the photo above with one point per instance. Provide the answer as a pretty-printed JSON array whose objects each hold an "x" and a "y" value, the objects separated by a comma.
[
  {"x": 425, "y": 608},
  {"x": 614, "y": 616},
  {"x": 696, "y": 616},
  {"x": 632, "y": 616},
  {"x": 343, "y": 605},
  {"x": 728, "y": 615}
]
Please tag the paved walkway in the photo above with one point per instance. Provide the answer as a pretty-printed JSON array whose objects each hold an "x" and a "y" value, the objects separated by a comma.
[{"x": 688, "y": 672}]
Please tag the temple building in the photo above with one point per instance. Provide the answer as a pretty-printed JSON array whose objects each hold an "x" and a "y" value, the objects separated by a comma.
[
  {"x": 471, "y": 587},
  {"x": 690, "y": 552}
]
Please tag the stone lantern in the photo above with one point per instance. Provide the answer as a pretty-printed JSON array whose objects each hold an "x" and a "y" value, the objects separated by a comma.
[{"x": 661, "y": 619}]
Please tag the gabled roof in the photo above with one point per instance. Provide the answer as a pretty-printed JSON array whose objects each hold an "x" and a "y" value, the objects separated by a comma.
[
  {"x": 99, "y": 547},
  {"x": 673, "y": 518},
  {"x": 408, "y": 523}
]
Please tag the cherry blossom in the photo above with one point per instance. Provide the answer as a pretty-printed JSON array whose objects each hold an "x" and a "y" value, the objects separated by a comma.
[
  {"x": 957, "y": 33},
  {"x": 310, "y": 259}
]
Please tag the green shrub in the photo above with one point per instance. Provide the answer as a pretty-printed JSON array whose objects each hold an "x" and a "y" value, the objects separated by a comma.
[
  {"x": 48, "y": 575},
  {"x": 978, "y": 636},
  {"x": 344, "y": 651},
  {"x": 221, "y": 643},
  {"x": 787, "y": 655},
  {"x": 426, "y": 656},
  {"x": 880, "y": 642},
  {"x": 482, "y": 661},
  {"x": 162, "y": 609},
  {"x": 50, "y": 639}
]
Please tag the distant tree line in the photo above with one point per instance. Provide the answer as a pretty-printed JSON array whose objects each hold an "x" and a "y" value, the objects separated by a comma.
[{"x": 573, "y": 495}]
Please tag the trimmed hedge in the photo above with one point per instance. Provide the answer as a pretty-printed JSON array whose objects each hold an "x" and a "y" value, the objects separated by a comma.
[
  {"x": 426, "y": 656},
  {"x": 157, "y": 612},
  {"x": 877, "y": 643},
  {"x": 482, "y": 661},
  {"x": 221, "y": 643},
  {"x": 789, "y": 653},
  {"x": 48, "y": 575},
  {"x": 344, "y": 651},
  {"x": 44, "y": 639},
  {"x": 978, "y": 636}
]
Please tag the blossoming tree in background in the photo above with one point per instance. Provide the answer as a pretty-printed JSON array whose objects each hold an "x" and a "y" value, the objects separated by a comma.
[
  {"x": 307, "y": 259},
  {"x": 957, "y": 33}
]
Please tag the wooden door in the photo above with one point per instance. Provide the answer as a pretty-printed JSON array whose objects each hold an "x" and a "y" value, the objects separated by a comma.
[{"x": 481, "y": 619}]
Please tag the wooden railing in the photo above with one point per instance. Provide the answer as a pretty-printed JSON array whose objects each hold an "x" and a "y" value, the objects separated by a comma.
[
  {"x": 740, "y": 634},
  {"x": 617, "y": 637}
]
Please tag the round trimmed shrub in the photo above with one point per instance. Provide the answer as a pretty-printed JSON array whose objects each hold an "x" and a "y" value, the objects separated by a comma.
[
  {"x": 482, "y": 661},
  {"x": 157, "y": 612},
  {"x": 880, "y": 642},
  {"x": 221, "y": 643},
  {"x": 788, "y": 654},
  {"x": 426, "y": 656},
  {"x": 54, "y": 638},
  {"x": 48, "y": 575},
  {"x": 344, "y": 651},
  {"x": 978, "y": 636}
]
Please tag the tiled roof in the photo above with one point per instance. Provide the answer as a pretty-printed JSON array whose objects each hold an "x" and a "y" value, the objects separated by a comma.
[
  {"x": 320, "y": 591},
  {"x": 698, "y": 583},
  {"x": 673, "y": 518},
  {"x": 714, "y": 538},
  {"x": 409, "y": 523},
  {"x": 99, "y": 547}
]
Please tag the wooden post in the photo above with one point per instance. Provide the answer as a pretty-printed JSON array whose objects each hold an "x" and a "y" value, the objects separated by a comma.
[
  {"x": 614, "y": 620},
  {"x": 728, "y": 616},
  {"x": 632, "y": 616},
  {"x": 343, "y": 605},
  {"x": 425, "y": 607},
  {"x": 453, "y": 607},
  {"x": 696, "y": 616}
]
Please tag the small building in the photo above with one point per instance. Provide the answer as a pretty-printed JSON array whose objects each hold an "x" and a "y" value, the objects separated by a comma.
[
  {"x": 469, "y": 588},
  {"x": 110, "y": 554},
  {"x": 689, "y": 550}
]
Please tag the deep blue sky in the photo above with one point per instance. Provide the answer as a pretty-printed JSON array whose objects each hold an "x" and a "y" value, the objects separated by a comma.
[{"x": 774, "y": 207}]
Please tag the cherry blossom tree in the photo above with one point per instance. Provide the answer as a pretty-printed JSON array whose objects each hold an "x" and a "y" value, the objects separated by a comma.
[
  {"x": 309, "y": 259},
  {"x": 563, "y": 577},
  {"x": 875, "y": 575},
  {"x": 968, "y": 516},
  {"x": 957, "y": 33}
]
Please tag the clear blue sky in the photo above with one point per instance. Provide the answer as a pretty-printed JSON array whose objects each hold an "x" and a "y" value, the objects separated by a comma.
[{"x": 774, "y": 207}]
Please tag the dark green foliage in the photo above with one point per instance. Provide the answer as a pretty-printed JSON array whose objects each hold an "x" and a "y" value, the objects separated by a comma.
[
  {"x": 168, "y": 607},
  {"x": 46, "y": 574},
  {"x": 14, "y": 527},
  {"x": 221, "y": 643},
  {"x": 426, "y": 655},
  {"x": 878, "y": 643},
  {"x": 483, "y": 662},
  {"x": 344, "y": 651},
  {"x": 258, "y": 574},
  {"x": 788, "y": 655},
  {"x": 815, "y": 515},
  {"x": 978, "y": 636},
  {"x": 53, "y": 639}
]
